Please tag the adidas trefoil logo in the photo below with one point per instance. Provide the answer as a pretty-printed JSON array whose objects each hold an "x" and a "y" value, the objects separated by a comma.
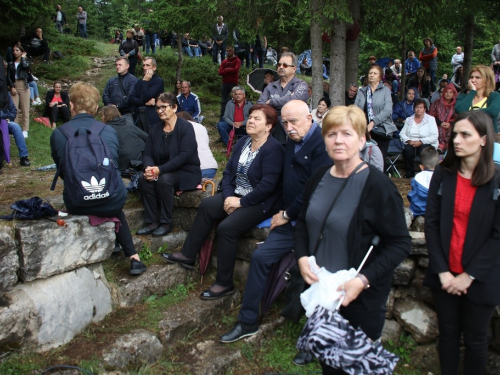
[{"x": 94, "y": 187}]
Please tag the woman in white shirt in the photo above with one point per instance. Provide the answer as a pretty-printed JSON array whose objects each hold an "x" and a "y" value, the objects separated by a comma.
[{"x": 419, "y": 132}]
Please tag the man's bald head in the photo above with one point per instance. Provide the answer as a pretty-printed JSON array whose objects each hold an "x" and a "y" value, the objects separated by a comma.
[{"x": 296, "y": 119}]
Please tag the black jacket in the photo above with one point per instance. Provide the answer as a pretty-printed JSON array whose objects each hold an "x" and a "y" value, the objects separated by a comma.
[
  {"x": 50, "y": 96},
  {"x": 143, "y": 92},
  {"x": 113, "y": 93},
  {"x": 264, "y": 174},
  {"x": 215, "y": 33},
  {"x": 380, "y": 212},
  {"x": 131, "y": 139},
  {"x": 183, "y": 153},
  {"x": 481, "y": 251},
  {"x": 22, "y": 70}
]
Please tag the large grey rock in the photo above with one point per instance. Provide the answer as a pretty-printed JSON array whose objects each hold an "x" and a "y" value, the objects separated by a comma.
[
  {"x": 135, "y": 217},
  {"x": 418, "y": 243},
  {"x": 47, "y": 249},
  {"x": 184, "y": 217},
  {"x": 191, "y": 198},
  {"x": 194, "y": 314},
  {"x": 260, "y": 233},
  {"x": 416, "y": 318},
  {"x": 213, "y": 358},
  {"x": 50, "y": 312},
  {"x": 416, "y": 289},
  {"x": 404, "y": 272},
  {"x": 56, "y": 201},
  {"x": 408, "y": 217},
  {"x": 423, "y": 262},
  {"x": 169, "y": 243},
  {"x": 156, "y": 280},
  {"x": 426, "y": 358},
  {"x": 140, "y": 347},
  {"x": 9, "y": 260},
  {"x": 390, "y": 303},
  {"x": 418, "y": 224},
  {"x": 241, "y": 270},
  {"x": 246, "y": 246},
  {"x": 392, "y": 331}
]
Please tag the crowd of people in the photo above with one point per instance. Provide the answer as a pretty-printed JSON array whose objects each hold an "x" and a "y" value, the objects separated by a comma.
[{"x": 318, "y": 174}]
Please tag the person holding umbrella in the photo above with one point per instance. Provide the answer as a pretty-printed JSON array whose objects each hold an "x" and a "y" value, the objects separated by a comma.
[
  {"x": 368, "y": 204},
  {"x": 462, "y": 229},
  {"x": 251, "y": 193},
  {"x": 302, "y": 157}
]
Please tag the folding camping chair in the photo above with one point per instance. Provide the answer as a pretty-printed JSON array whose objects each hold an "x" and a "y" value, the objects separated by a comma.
[{"x": 394, "y": 152}]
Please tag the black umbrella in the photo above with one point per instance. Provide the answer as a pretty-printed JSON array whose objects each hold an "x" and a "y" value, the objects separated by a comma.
[
  {"x": 335, "y": 342},
  {"x": 277, "y": 280},
  {"x": 256, "y": 79},
  {"x": 30, "y": 209}
]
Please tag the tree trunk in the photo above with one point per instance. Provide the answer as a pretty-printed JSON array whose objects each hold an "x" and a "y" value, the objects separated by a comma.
[
  {"x": 352, "y": 47},
  {"x": 338, "y": 62},
  {"x": 179, "y": 60},
  {"x": 468, "y": 46},
  {"x": 316, "y": 53}
]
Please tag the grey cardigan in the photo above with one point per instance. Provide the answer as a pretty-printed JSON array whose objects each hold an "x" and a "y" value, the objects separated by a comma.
[
  {"x": 382, "y": 106},
  {"x": 229, "y": 112}
]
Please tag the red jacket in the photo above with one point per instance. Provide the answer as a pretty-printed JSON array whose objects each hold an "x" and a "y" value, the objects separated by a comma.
[{"x": 229, "y": 70}]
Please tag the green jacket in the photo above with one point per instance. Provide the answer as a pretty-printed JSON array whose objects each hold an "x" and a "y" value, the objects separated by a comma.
[{"x": 464, "y": 103}]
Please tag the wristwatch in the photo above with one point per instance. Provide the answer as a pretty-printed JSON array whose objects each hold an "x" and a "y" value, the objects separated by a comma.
[{"x": 283, "y": 215}]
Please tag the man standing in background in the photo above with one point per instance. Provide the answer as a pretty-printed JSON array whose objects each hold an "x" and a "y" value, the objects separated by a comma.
[
  {"x": 229, "y": 70},
  {"x": 81, "y": 16},
  {"x": 219, "y": 36},
  {"x": 60, "y": 19}
]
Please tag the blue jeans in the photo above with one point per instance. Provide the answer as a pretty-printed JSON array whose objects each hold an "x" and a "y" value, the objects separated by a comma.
[
  {"x": 395, "y": 86},
  {"x": 187, "y": 51},
  {"x": 208, "y": 173},
  {"x": 224, "y": 129},
  {"x": 17, "y": 132},
  {"x": 150, "y": 43},
  {"x": 83, "y": 30},
  {"x": 33, "y": 90}
]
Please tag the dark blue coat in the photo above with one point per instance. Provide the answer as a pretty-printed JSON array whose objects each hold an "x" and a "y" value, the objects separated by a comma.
[
  {"x": 114, "y": 95},
  {"x": 299, "y": 167},
  {"x": 264, "y": 174},
  {"x": 144, "y": 91}
]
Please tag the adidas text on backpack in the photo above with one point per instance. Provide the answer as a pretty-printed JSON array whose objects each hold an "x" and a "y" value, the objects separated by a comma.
[{"x": 90, "y": 175}]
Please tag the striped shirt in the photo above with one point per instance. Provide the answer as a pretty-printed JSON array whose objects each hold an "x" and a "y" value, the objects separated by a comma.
[{"x": 243, "y": 186}]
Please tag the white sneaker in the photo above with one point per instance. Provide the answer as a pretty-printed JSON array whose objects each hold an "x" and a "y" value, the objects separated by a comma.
[
  {"x": 25, "y": 134},
  {"x": 38, "y": 101},
  {"x": 34, "y": 78}
]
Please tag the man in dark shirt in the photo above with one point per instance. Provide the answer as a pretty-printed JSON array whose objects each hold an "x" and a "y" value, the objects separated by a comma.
[
  {"x": 37, "y": 46},
  {"x": 350, "y": 94},
  {"x": 219, "y": 36}
]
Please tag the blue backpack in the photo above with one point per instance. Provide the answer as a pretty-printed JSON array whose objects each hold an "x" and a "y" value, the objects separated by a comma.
[{"x": 90, "y": 175}]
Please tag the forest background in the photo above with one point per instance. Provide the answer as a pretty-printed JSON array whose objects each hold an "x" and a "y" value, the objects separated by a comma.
[{"x": 388, "y": 28}]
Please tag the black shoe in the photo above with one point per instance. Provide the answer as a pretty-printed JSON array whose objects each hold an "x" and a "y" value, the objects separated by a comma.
[
  {"x": 162, "y": 230},
  {"x": 170, "y": 258},
  {"x": 207, "y": 294},
  {"x": 25, "y": 162},
  {"x": 137, "y": 267},
  {"x": 240, "y": 330},
  {"x": 302, "y": 358},
  {"x": 117, "y": 250},
  {"x": 145, "y": 231}
]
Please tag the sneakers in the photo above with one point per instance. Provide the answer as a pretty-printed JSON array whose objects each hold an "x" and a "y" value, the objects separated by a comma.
[
  {"x": 37, "y": 101},
  {"x": 34, "y": 78},
  {"x": 25, "y": 162},
  {"x": 302, "y": 358},
  {"x": 240, "y": 330},
  {"x": 25, "y": 134},
  {"x": 137, "y": 267}
]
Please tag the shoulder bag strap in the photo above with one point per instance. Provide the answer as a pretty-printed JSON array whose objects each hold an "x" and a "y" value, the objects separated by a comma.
[{"x": 320, "y": 235}]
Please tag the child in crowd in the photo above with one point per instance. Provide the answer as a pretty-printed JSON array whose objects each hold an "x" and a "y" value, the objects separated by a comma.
[{"x": 429, "y": 158}]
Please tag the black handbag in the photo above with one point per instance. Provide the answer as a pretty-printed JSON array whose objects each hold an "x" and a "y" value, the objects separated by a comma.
[
  {"x": 296, "y": 284},
  {"x": 381, "y": 132}
]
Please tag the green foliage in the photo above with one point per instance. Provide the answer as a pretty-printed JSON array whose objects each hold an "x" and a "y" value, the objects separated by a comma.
[
  {"x": 18, "y": 364},
  {"x": 145, "y": 253},
  {"x": 403, "y": 347}
]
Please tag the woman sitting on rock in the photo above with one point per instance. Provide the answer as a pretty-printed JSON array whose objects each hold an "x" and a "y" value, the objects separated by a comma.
[
  {"x": 251, "y": 193},
  {"x": 57, "y": 105}
]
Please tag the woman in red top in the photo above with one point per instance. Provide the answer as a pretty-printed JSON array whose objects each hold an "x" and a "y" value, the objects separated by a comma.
[
  {"x": 462, "y": 230},
  {"x": 57, "y": 104}
]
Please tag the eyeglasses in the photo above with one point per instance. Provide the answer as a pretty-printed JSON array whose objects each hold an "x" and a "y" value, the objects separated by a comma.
[
  {"x": 162, "y": 108},
  {"x": 284, "y": 65}
]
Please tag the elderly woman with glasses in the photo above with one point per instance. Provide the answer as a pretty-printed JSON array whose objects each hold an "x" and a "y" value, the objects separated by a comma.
[{"x": 171, "y": 163}]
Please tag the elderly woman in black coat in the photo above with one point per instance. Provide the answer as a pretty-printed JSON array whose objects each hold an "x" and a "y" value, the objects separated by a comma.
[{"x": 171, "y": 163}]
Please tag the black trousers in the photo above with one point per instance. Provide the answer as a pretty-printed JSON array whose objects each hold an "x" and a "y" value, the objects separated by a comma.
[
  {"x": 56, "y": 111},
  {"x": 225, "y": 92},
  {"x": 160, "y": 193},
  {"x": 133, "y": 63},
  {"x": 33, "y": 52},
  {"x": 230, "y": 228},
  {"x": 409, "y": 153},
  {"x": 383, "y": 145},
  {"x": 457, "y": 315},
  {"x": 123, "y": 237}
]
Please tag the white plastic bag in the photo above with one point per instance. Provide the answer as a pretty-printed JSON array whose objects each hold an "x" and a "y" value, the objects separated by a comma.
[{"x": 324, "y": 293}]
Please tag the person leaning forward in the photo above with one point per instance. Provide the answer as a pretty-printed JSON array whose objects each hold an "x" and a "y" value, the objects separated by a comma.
[{"x": 303, "y": 157}]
